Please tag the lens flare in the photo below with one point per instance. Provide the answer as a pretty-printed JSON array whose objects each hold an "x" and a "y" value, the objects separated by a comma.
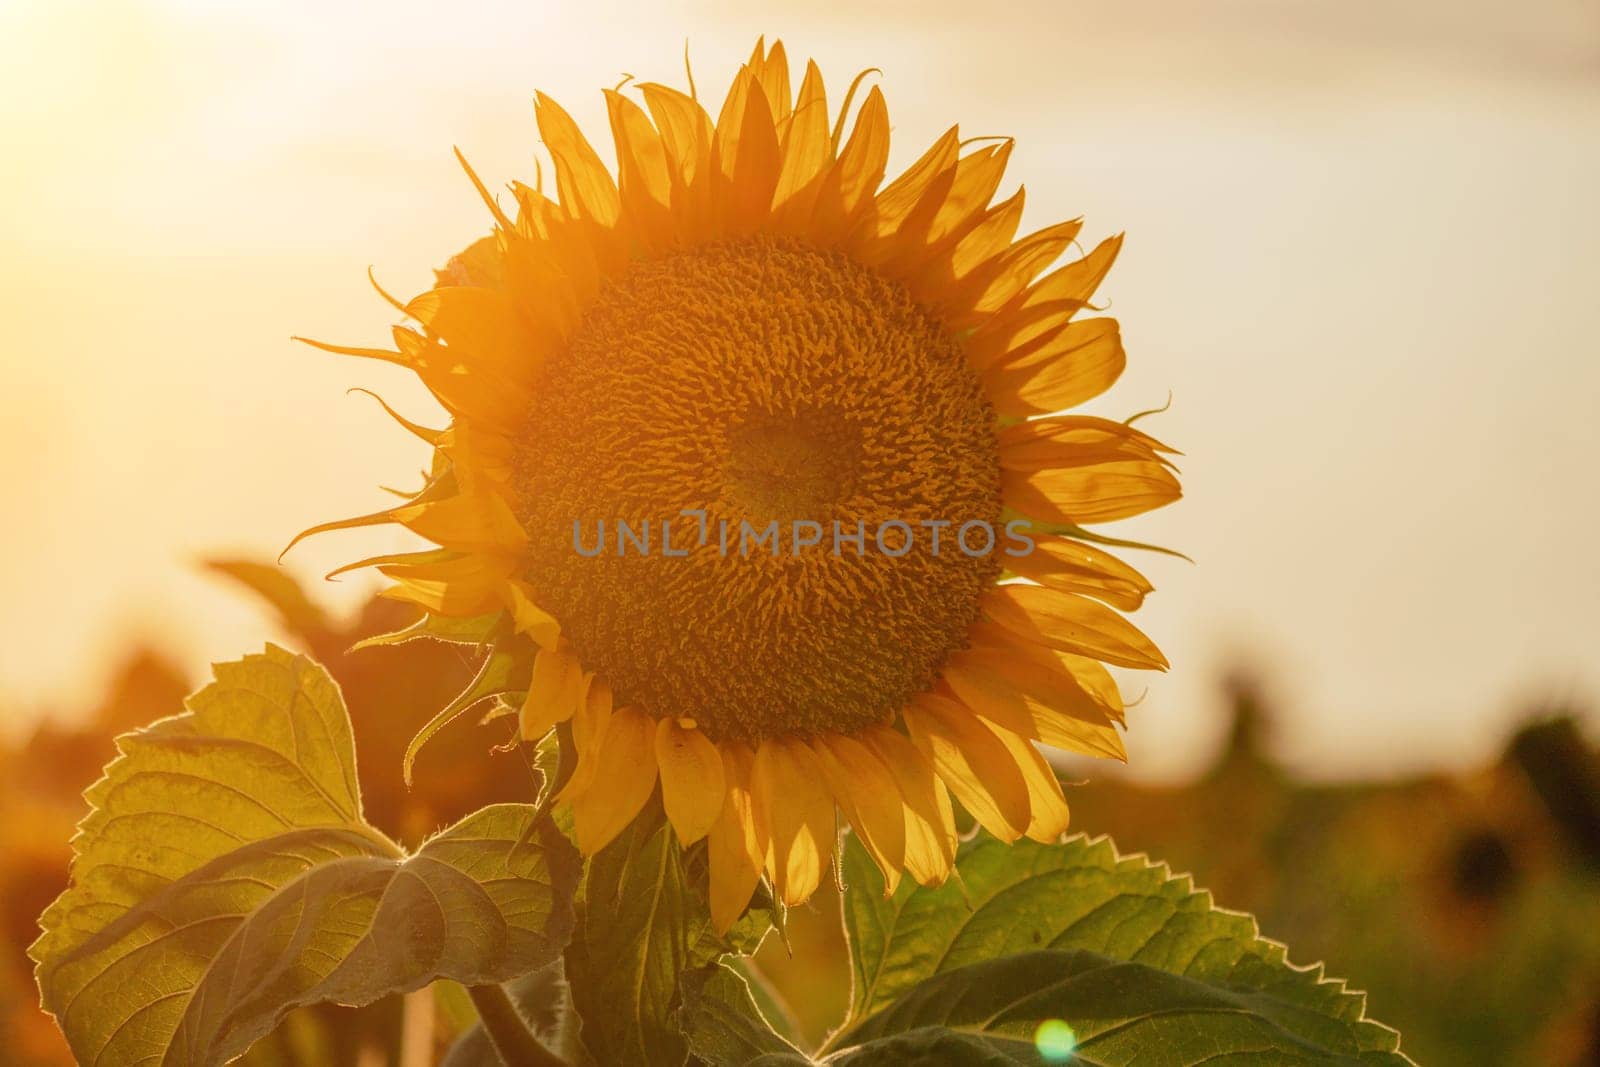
[{"x": 1055, "y": 1041}]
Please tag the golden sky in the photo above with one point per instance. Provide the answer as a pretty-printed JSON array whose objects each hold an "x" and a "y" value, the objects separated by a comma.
[{"x": 1361, "y": 255}]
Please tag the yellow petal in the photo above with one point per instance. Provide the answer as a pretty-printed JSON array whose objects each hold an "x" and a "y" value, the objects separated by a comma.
[
  {"x": 1090, "y": 493},
  {"x": 973, "y": 763},
  {"x": 1048, "y": 808},
  {"x": 871, "y": 801},
  {"x": 1081, "y": 469},
  {"x": 1062, "y": 563},
  {"x": 790, "y": 788},
  {"x": 528, "y": 617},
  {"x": 450, "y": 584},
  {"x": 847, "y": 187},
  {"x": 555, "y": 692},
  {"x": 746, "y": 154},
  {"x": 807, "y": 154},
  {"x": 584, "y": 184},
  {"x": 624, "y": 778},
  {"x": 737, "y": 843},
  {"x": 1071, "y": 623},
  {"x": 1045, "y": 307},
  {"x": 588, "y": 725},
  {"x": 772, "y": 72},
  {"x": 466, "y": 521},
  {"x": 686, "y": 131},
  {"x": 985, "y": 240},
  {"x": 692, "y": 783},
  {"x": 977, "y": 177},
  {"x": 930, "y": 823},
  {"x": 994, "y": 283},
  {"x": 902, "y": 196},
  {"x": 645, "y": 183},
  {"x": 479, "y": 326},
  {"x": 1076, "y": 363},
  {"x": 1095, "y": 698},
  {"x": 1033, "y": 696}
]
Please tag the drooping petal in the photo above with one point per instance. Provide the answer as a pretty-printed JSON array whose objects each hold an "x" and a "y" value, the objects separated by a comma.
[
  {"x": 930, "y": 825},
  {"x": 555, "y": 692},
  {"x": 791, "y": 790},
  {"x": 1047, "y": 805},
  {"x": 973, "y": 763},
  {"x": 871, "y": 800},
  {"x": 624, "y": 778},
  {"x": 737, "y": 843},
  {"x": 588, "y": 726},
  {"x": 692, "y": 782}
]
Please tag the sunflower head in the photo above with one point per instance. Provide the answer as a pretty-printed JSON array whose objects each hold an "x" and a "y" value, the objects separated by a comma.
[{"x": 762, "y": 459}]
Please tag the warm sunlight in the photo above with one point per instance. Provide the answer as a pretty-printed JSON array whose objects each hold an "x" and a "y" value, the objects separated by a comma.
[{"x": 1353, "y": 298}]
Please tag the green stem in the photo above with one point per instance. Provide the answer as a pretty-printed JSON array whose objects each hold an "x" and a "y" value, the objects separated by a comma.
[{"x": 508, "y": 1032}]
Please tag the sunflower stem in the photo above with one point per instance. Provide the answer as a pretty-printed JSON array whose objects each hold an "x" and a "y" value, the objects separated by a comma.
[{"x": 508, "y": 1032}]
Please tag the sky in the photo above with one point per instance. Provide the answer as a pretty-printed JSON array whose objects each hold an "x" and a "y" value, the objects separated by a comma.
[{"x": 1361, "y": 257}]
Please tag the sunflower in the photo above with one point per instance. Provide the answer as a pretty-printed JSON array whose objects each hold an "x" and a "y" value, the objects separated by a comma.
[{"x": 747, "y": 331}]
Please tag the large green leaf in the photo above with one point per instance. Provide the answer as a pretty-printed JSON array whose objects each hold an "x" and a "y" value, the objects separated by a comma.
[
  {"x": 1097, "y": 910},
  {"x": 642, "y": 923},
  {"x": 225, "y": 875},
  {"x": 722, "y": 1024},
  {"x": 1120, "y": 1012}
]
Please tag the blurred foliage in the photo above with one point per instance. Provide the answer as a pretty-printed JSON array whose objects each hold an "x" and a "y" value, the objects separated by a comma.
[{"x": 1467, "y": 906}]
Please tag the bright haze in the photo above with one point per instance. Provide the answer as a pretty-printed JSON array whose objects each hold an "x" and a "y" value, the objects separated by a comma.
[{"x": 1361, "y": 257}]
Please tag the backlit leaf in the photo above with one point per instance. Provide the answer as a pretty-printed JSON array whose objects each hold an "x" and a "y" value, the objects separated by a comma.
[
  {"x": 225, "y": 875},
  {"x": 1129, "y": 956},
  {"x": 642, "y": 923},
  {"x": 722, "y": 1024}
]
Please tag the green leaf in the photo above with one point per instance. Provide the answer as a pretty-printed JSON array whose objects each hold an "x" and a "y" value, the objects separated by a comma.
[
  {"x": 225, "y": 875},
  {"x": 1088, "y": 904},
  {"x": 722, "y": 1024},
  {"x": 642, "y": 923},
  {"x": 1120, "y": 1012}
]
